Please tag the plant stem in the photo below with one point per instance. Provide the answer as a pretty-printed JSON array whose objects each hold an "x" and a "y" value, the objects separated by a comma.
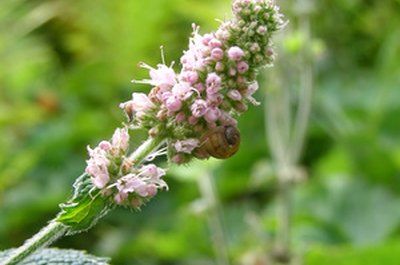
[
  {"x": 55, "y": 230},
  {"x": 209, "y": 194},
  {"x": 283, "y": 236},
  {"x": 277, "y": 121},
  {"x": 286, "y": 131},
  {"x": 145, "y": 149},
  {"x": 50, "y": 233},
  {"x": 306, "y": 90}
]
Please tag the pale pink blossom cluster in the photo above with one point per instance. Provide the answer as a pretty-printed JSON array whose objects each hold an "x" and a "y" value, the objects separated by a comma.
[
  {"x": 141, "y": 183},
  {"x": 101, "y": 157},
  {"x": 112, "y": 172},
  {"x": 216, "y": 82}
]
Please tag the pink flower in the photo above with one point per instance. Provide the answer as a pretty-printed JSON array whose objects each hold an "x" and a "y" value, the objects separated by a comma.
[
  {"x": 219, "y": 67},
  {"x": 129, "y": 183},
  {"x": 217, "y": 54},
  {"x": 212, "y": 114},
  {"x": 99, "y": 175},
  {"x": 97, "y": 167},
  {"x": 255, "y": 48},
  {"x": 142, "y": 191},
  {"x": 182, "y": 90},
  {"x": 261, "y": 30},
  {"x": 120, "y": 139},
  {"x": 163, "y": 76},
  {"x": 199, "y": 87},
  {"x": 98, "y": 156},
  {"x": 105, "y": 145},
  {"x": 178, "y": 159},
  {"x": 166, "y": 95},
  {"x": 234, "y": 95},
  {"x": 257, "y": 9},
  {"x": 151, "y": 190},
  {"x": 215, "y": 99},
  {"x": 190, "y": 76},
  {"x": 186, "y": 146},
  {"x": 215, "y": 43},
  {"x": 207, "y": 38},
  {"x": 193, "y": 58},
  {"x": 139, "y": 102},
  {"x": 120, "y": 198},
  {"x": 213, "y": 83},
  {"x": 191, "y": 61},
  {"x": 144, "y": 183},
  {"x": 199, "y": 108},
  {"x": 269, "y": 52},
  {"x": 213, "y": 90},
  {"x": 242, "y": 67},
  {"x": 173, "y": 103},
  {"x": 193, "y": 120},
  {"x": 251, "y": 89},
  {"x": 180, "y": 117},
  {"x": 152, "y": 171},
  {"x": 235, "y": 53},
  {"x": 222, "y": 34}
]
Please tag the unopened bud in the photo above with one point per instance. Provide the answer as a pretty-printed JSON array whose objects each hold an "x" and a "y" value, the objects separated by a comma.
[
  {"x": 153, "y": 132},
  {"x": 241, "y": 107},
  {"x": 162, "y": 115}
]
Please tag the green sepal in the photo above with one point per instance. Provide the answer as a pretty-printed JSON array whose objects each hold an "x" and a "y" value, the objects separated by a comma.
[{"x": 85, "y": 207}]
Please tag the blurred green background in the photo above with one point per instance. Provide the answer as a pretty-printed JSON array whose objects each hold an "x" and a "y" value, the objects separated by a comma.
[{"x": 66, "y": 64}]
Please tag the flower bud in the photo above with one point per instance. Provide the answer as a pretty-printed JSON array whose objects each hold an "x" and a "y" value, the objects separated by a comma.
[
  {"x": 212, "y": 114},
  {"x": 173, "y": 104},
  {"x": 240, "y": 107},
  {"x": 235, "y": 53},
  {"x": 153, "y": 132},
  {"x": 217, "y": 54}
]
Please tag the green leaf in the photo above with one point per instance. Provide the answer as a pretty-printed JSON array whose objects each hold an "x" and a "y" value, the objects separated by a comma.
[
  {"x": 54, "y": 256},
  {"x": 85, "y": 207}
]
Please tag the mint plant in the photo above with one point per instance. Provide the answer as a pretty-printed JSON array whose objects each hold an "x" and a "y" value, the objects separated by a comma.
[{"x": 188, "y": 114}]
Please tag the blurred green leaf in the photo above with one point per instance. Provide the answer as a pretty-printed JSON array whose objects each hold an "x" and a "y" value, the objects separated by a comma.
[
  {"x": 387, "y": 254},
  {"x": 53, "y": 256}
]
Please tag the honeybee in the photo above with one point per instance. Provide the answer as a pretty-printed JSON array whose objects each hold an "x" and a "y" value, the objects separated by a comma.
[{"x": 221, "y": 142}]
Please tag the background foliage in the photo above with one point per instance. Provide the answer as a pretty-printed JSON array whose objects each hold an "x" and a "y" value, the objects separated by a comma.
[{"x": 65, "y": 66}]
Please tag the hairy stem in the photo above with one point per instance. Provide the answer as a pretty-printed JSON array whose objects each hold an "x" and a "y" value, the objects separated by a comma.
[
  {"x": 145, "y": 149},
  {"x": 50, "y": 233},
  {"x": 55, "y": 230}
]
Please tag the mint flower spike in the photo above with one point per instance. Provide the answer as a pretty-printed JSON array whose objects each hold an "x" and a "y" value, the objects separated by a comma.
[
  {"x": 216, "y": 82},
  {"x": 215, "y": 85},
  {"x": 185, "y": 112}
]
